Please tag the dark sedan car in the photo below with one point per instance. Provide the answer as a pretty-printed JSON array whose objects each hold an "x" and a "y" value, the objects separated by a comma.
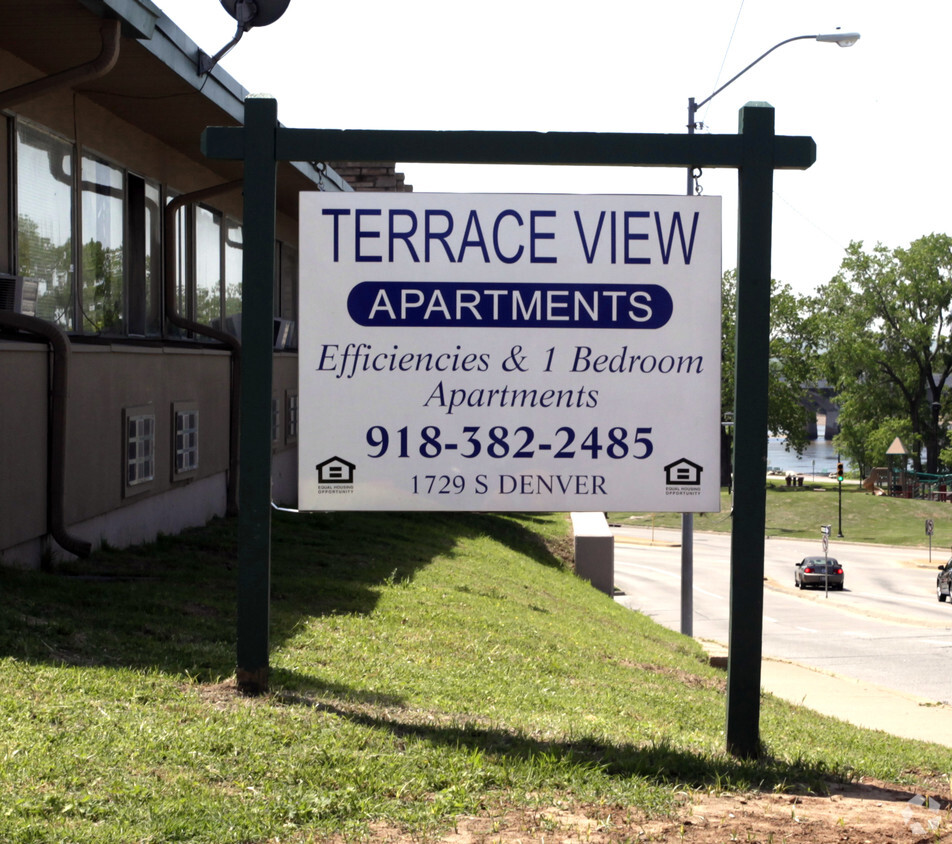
[
  {"x": 818, "y": 571},
  {"x": 943, "y": 582}
]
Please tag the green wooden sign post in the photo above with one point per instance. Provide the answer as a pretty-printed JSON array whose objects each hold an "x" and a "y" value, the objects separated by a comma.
[{"x": 755, "y": 152}]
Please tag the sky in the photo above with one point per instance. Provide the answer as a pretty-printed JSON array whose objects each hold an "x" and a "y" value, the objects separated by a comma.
[{"x": 875, "y": 109}]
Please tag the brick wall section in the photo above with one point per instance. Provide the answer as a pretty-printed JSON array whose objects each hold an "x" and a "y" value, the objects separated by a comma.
[{"x": 372, "y": 175}]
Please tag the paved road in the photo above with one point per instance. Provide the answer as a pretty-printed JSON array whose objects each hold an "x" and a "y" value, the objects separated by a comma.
[{"x": 885, "y": 627}]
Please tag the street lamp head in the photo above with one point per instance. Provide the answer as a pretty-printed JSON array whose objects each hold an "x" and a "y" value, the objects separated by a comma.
[
  {"x": 844, "y": 39},
  {"x": 248, "y": 14}
]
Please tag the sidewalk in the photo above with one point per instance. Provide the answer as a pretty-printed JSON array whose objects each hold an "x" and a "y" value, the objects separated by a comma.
[{"x": 857, "y": 702}]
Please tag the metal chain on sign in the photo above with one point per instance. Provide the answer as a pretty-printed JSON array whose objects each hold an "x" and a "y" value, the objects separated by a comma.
[{"x": 321, "y": 168}]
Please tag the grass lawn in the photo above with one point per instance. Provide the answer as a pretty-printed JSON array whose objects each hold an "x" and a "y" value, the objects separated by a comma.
[
  {"x": 798, "y": 512},
  {"x": 423, "y": 666}
]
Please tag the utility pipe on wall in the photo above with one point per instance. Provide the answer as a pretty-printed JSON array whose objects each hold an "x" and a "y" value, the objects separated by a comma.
[
  {"x": 59, "y": 401},
  {"x": 100, "y": 66}
]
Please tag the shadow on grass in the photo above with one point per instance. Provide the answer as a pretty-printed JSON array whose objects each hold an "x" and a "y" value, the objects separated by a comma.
[
  {"x": 171, "y": 605},
  {"x": 659, "y": 762}
]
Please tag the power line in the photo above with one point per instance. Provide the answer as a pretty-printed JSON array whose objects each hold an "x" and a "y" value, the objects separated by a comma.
[{"x": 726, "y": 53}]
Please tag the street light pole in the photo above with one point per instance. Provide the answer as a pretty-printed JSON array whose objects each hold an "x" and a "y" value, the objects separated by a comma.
[
  {"x": 843, "y": 39},
  {"x": 753, "y": 308}
]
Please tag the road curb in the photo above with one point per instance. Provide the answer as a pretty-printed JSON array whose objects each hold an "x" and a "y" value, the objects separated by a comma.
[{"x": 854, "y": 701}]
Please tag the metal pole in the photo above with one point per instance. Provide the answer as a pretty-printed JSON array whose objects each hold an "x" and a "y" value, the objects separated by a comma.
[
  {"x": 687, "y": 574},
  {"x": 692, "y": 113},
  {"x": 257, "y": 335},
  {"x": 755, "y": 196},
  {"x": 687, "y": 519},
  {"x": 839, "y": 484},
  {"x": 826, "y": 570},
  {"x": 839, "y": 529}
]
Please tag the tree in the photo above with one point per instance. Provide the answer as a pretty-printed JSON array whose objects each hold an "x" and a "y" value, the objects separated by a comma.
[
  {"x": 792, "y": 365},
  {"x": 888, "y": 350}
]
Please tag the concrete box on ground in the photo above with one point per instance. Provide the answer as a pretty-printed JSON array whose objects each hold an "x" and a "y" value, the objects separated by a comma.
[{"x": 594, "y": 550}]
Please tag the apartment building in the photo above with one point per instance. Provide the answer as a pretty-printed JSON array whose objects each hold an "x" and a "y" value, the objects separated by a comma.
[{"x": 120, "y": 282}]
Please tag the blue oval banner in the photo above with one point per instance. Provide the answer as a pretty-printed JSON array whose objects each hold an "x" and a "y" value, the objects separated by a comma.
[{"x": 453, "y": 304}]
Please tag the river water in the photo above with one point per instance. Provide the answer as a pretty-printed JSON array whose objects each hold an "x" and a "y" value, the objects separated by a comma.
[{"x": 819, "y": 457}]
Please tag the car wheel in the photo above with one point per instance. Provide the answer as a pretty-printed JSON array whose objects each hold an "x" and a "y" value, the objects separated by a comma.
[
  {"x": 797, "y": 584},
  {"x": 938, "y": 593}
]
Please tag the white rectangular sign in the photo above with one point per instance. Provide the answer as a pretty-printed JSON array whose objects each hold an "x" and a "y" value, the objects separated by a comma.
[{"x": 509, "y": 352}]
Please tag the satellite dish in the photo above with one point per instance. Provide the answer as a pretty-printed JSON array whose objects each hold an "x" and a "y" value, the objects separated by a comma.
[
  {"x": 251, "y": 13},
  {"x": 248, "y": 13}
]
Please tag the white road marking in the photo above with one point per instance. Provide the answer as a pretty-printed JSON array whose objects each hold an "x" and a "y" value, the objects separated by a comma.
[{"x": 806, "y": 629}]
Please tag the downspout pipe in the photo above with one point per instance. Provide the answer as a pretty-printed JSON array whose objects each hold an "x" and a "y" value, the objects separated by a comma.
[
  {"x": 223, "y": 337},
  {"x": 59, "y": 399},
  {"x": 110, "y": 32}
]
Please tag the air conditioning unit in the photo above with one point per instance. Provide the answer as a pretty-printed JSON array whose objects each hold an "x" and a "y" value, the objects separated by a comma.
[{"x": 18, "y": 294}]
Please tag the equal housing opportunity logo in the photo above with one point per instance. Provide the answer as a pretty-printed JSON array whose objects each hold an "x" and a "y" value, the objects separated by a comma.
[
  {"x": 335, "y": 476},
  {"x": 683, "y": 477}
]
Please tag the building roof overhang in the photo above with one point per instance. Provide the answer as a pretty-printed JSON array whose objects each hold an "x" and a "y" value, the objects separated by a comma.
[{"x": 155, "y": 85}]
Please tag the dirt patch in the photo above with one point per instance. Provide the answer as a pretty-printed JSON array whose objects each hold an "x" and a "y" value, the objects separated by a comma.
[{"x": 858, "y": 813}]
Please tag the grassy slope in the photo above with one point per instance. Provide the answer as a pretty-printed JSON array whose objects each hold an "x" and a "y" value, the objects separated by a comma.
[{"x": 423, "y": 666}]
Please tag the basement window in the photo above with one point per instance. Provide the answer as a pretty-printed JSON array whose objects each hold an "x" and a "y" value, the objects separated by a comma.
[
  {"x": 139, "y": 427},
  {"x": 291, "y": 416},
  {"x": 275, "y": 421},
  {"x": 185, "y": 440}
]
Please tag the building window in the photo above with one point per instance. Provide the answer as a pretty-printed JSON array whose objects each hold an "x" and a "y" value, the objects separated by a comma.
[
  {"x": 88, "y": 233},
  {"x": 291, "y": 413},
  {"x": 208, "y": 267},
  {"x": 139, "y": 461},
  {"x": 286, "y": 288},
  {"x": 44, "y": 221},
  {"x": 143, "y": 257},
  {"x": 234, "y": 255},
  {"x": 101, "y": 300},
  {"x": 183, "y": 260},
  {"x": 185, "y": 444}
]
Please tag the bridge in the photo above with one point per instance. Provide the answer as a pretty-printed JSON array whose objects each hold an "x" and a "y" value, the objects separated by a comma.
[{"x": 819, "y": 399}]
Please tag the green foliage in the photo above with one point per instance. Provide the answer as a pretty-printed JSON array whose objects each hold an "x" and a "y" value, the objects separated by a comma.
[
  {"x": 885, "y": 320},
  {"x": 423, "y": 666},
  {"x": 793, "y": 350}
]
